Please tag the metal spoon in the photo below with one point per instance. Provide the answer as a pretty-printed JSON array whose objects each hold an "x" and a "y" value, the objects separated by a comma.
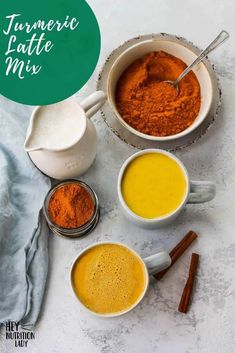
[{"x": 213, "y": 45}]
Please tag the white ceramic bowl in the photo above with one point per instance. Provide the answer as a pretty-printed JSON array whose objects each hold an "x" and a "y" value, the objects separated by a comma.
[
  {"x": 174, "y": 48},
  {"x": 196, "y": 192}
]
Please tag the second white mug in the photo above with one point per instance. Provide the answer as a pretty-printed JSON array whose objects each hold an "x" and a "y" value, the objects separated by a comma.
[{"x": 196, "y": 192}]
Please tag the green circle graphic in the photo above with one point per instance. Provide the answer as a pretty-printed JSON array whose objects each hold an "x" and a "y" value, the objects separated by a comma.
[{"x": 48, "y": 49}]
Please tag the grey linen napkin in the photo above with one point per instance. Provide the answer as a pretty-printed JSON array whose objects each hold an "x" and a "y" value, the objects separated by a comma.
[{"x": 23, "y": 232}]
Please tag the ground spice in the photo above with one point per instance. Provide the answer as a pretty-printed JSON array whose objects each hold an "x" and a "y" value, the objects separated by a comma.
[
  {"x": 152, "y": 106},
  {"x": 71, "y": 206}
]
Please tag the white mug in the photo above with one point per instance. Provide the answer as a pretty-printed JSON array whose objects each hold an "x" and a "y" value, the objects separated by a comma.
[
  {"x": 151, "y": 264},
  {"x": 196, "y": 192}
]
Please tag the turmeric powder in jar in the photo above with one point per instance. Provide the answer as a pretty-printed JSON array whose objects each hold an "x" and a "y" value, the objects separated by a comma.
[
  {"x": 152, "y": 106},
  {"x": 71, "y": 206},
  {"x": 71, "y": 209}
]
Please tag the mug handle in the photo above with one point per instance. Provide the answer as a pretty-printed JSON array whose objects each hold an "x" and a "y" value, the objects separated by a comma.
[
  {"x": 157, "y": 262},
  {"x": 93, "y": 103},
  {"x": 201, "y": 191}
]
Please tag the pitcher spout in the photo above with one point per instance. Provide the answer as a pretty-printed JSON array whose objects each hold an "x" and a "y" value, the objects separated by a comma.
[
  {"x": 28, "y": 148},
  {"x": 29, "y": 144}
]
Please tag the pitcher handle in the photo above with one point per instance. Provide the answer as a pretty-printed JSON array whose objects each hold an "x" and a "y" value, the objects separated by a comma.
[
  {"x": 201, "y": 191},
  {"x": 157, "y": 262},
  {"x": 93, "y": 103}
]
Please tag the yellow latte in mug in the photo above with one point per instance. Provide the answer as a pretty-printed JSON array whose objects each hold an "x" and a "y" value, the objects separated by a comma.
[
  {"x": 153, "y": 185},
  {"x": 109, "y": 278}
]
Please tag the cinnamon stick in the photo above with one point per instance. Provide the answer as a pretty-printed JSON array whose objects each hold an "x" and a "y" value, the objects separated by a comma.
[
  {"x": 187, "y": 292},
  {"x": 178, "y": 250}
]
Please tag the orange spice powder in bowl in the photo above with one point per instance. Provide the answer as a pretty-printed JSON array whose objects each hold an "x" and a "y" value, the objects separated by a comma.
[
  {"x": 152, "y": 106},
  {"x": 145, "y": 105}
]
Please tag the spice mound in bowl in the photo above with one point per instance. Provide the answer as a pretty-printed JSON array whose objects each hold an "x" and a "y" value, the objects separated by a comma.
[{"x": 152, "y": 106}]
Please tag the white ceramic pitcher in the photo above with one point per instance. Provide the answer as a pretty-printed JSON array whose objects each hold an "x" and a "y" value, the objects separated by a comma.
[{"x": 74, "y": 159}]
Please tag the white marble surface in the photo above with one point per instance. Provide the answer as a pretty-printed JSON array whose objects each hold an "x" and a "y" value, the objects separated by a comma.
[{"x": 155, "y": 325}]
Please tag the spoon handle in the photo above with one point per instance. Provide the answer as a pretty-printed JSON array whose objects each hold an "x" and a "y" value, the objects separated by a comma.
[{"x": 212, "y": 46}]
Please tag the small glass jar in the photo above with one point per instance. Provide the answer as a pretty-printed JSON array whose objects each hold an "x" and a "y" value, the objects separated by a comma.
[{"x": 84, "y": 229}]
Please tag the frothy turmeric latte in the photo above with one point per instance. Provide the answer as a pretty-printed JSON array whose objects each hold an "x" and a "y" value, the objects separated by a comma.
[{"x": 109, "y": 278}]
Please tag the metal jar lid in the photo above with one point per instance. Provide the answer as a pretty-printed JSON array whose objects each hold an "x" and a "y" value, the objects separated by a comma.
[{"x": 81, "y": 231}]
